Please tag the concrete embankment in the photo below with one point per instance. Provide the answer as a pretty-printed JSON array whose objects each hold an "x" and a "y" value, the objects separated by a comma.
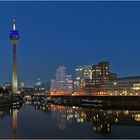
[{"x": 106, "y": 102}]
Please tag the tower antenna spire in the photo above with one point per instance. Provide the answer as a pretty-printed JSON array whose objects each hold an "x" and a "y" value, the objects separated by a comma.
[{"x": 14, "y": 23}]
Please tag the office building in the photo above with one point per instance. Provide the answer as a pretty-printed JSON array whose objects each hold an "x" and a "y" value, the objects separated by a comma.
[
  {"x": 60, "y": 78},
  {"x": 39, "y": 88},
  {"x": 53, "y": 85},
  {"x": 69, "y": 84},
  {"x": 100, "y": 73},
  {"x": 125, "y": 86},
  {"x": 83, "y": 72}
]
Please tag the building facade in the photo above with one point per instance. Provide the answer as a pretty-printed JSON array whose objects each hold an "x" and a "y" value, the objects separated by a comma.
[
  {"x": 60, "y": 78},
  {"x": 39, "y": 88},
  {"x": 83, "y": 72},
  {"x": 69, "y": 84},
  {"x": 126, "y": 86},
  {"x": 62, "y": 84},
  {"x": 100, "y": 74},
  {"x": 53, "y": 85}
]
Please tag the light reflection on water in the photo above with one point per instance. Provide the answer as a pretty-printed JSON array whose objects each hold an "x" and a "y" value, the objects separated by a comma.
[{"x": 56, "y": 121}]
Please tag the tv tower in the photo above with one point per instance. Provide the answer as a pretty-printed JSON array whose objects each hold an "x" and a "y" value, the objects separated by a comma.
[{"x": 14, "y": 36}]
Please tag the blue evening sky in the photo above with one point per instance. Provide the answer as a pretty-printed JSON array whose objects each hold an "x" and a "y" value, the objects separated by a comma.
[{"x": 69, "y": 34}]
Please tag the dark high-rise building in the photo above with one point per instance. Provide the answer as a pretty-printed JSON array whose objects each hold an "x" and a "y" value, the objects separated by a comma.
[
  {"x": 100, "y": 73},
  {"x": 104, "y": 70},
  {"x": 96, "y": 74},
  {"x": 14, "y": 36}
]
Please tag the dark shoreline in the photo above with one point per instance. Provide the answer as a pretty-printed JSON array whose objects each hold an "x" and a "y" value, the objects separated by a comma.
[{"x": 111, "y": 102}]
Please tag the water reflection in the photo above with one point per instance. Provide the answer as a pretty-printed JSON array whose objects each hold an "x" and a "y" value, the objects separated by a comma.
[
  {"x": 13, "y": 114},
  {"x": 5, "y": 112},
  {"x": 101, "y": 120},
  {"x": 65, "y": 119},
  {"x": 14, "y": 123}
]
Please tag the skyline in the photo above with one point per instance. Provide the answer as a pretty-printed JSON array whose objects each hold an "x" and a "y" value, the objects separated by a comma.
[{"x": 85, "y": 31}]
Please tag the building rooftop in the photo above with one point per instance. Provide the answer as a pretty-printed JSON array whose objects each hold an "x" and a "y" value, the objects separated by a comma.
[{"x": 128, "y": 78}]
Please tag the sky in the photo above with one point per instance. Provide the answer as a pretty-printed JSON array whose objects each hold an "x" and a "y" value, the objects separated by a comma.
[{"x": 69, "y": 34}]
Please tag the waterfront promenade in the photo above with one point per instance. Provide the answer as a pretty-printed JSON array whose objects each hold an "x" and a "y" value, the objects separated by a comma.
[{"x": 131, "y": 102}]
